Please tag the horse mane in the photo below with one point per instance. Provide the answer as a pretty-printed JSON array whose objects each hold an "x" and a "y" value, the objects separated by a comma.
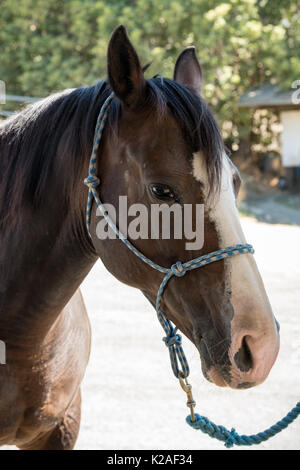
[
  {"x": 65, "y": 122},
  {"x": 31, "y": 140}
]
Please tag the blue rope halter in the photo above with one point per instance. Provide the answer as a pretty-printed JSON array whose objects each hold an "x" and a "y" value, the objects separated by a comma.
[{"x": 172, "y": 339}]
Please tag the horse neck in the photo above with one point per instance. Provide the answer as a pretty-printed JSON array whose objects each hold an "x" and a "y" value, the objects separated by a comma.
[{"x": 43, "y": 258}]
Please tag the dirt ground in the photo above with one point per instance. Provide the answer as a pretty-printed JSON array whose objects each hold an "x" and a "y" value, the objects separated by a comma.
[
  {"x": 269, "y": 204},
  {"x": 131, "y": 399}
]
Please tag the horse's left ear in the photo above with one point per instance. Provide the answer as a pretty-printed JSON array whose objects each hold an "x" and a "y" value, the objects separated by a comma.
[
  {"x": 188, "y": 71},
  {"x": 125, "y": 73}
]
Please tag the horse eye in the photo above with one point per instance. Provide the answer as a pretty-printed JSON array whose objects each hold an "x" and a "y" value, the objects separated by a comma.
[{"x": 162, "y": 191}]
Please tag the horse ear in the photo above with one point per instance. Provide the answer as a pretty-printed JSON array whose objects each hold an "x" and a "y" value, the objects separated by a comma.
[
  {"x": 188, "y": 71},
  {"x": 125, "y": 73}
]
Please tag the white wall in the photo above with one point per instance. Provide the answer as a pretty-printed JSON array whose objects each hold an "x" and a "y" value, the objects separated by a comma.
[{"x": 290, "y": 138}]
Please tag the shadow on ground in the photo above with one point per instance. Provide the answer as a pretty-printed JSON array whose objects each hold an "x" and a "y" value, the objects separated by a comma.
[{"x": 267, "y": 204}]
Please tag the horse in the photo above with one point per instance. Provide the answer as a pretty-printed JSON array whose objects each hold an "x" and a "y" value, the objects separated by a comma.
[{"x": 161, "y": 144}]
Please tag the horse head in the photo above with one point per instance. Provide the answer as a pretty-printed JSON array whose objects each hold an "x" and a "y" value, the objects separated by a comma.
[{"x": 168, "y": 150}]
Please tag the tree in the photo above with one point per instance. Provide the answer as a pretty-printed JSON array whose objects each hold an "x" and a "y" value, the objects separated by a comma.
[{"x": 49, "y": 45}]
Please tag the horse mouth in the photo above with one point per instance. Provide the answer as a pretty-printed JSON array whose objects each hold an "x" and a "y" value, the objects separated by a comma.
[
  {"x": 216, "y": 378},
  {"x": 227, "y": 374},
  {"x": 242, "y": 363},
  {"x": 213, "y": 376},
  {"x": 214, "y": 372},
  {"x": 220, "y": 374}
]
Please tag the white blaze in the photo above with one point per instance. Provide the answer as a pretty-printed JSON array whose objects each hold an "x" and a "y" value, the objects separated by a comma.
[{"x": 252, "y": 312}]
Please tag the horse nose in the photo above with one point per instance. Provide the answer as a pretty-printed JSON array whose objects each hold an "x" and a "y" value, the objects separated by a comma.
[{"x": 253, "y": 357}]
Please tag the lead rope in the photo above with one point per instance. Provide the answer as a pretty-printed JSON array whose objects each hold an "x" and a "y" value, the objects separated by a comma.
[{"x": 172, "y": 339}]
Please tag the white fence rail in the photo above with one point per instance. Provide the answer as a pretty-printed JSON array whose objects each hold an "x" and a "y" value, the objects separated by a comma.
[{"x": 15, "y": 99}]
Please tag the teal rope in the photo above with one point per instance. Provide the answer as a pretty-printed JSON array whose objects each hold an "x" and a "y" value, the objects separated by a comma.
[{"x": 232, "y": 438}]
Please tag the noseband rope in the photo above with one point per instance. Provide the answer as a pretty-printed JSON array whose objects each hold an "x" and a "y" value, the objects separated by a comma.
[{"x": 172, "y": 339}]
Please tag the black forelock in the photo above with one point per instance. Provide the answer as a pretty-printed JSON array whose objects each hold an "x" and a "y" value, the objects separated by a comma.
[{"x": 197, "y": 123}]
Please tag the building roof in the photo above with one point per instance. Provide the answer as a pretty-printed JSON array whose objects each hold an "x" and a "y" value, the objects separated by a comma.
[{"x": 268, "y": 96}]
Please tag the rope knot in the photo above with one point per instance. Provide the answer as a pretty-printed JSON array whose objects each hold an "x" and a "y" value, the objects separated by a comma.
[
  {"x": 178, "y": 269},
  {"x": 92, "y": 181},
  {"x": 172, "y": 340},
  {"x": 231, "y": 439}
]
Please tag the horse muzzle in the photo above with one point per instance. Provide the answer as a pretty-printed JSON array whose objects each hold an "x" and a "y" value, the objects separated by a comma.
[{"x": 244, "y": 363}]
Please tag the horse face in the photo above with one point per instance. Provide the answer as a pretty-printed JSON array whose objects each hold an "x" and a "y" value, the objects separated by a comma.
[
  {"x": 223, "y": 307},
  {"x": 245, "y": 333}
]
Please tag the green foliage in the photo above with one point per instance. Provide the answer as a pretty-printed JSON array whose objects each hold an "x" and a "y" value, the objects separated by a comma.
[{"x": 49, "y": 45}]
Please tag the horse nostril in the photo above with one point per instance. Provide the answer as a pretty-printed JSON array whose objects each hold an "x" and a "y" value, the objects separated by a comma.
[{"x": 243, "y": 358}]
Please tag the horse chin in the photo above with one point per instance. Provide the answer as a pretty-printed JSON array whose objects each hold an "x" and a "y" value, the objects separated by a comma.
[
  {"x": 210, "y": 371},
  {"x": 215, "y": 377}
]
